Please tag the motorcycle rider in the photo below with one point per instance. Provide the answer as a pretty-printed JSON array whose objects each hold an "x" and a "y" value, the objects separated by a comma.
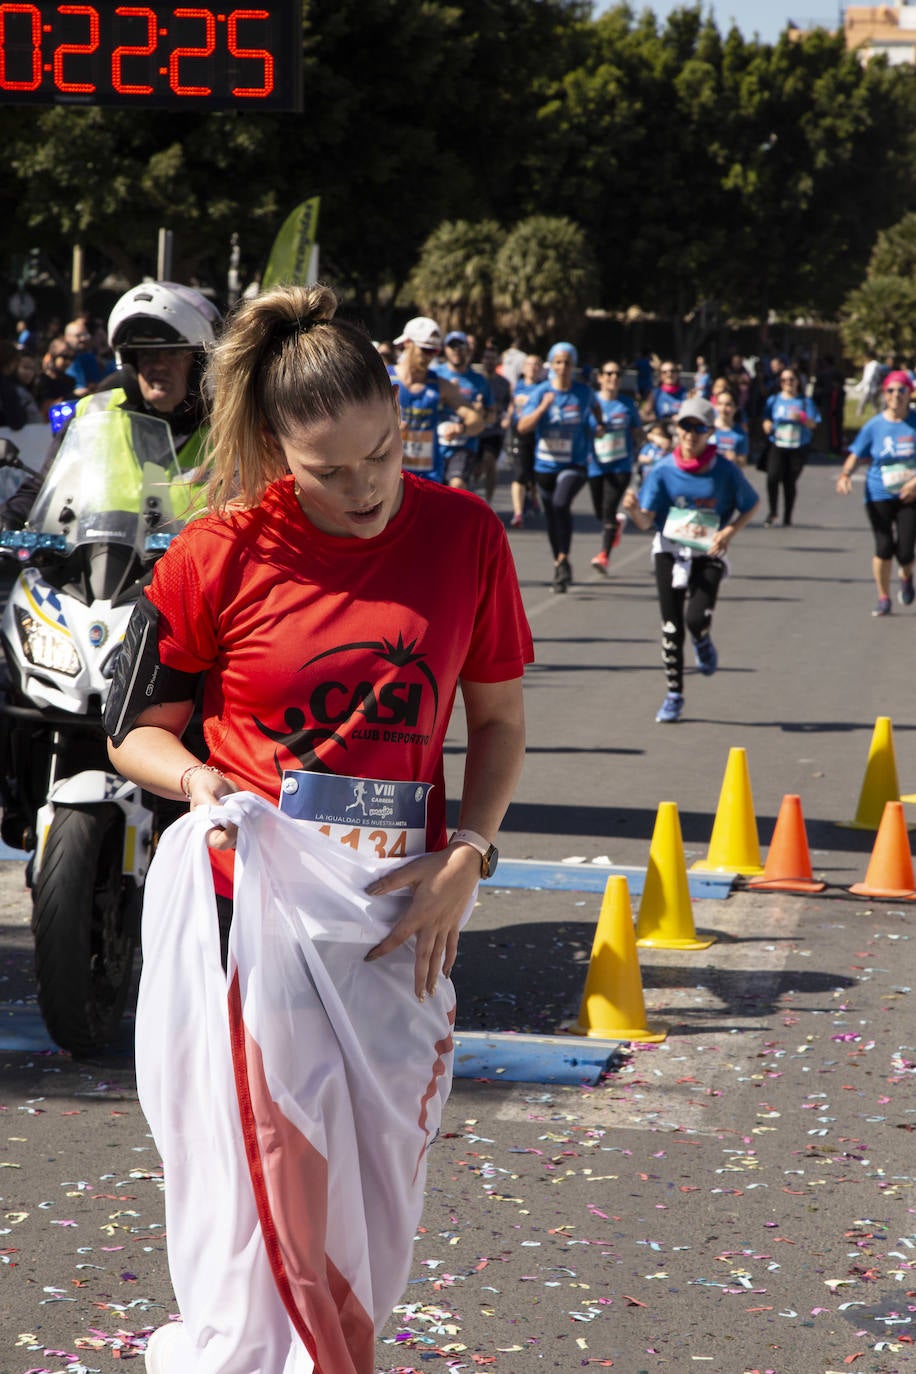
[{"x": 159, "y": 332}]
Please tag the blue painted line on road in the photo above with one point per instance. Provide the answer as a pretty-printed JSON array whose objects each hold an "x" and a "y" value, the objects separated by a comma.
[
  {"x": 531, "y": 874},
  {"x": 22, "y": 1030},
  {"x": 532, "y": 1058}
]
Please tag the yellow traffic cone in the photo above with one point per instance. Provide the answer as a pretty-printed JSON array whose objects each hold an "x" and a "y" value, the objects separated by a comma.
[
  {"x": 612, "y": 1004},
  {"x": 880, "y": 784},
  {"x": 665, "y": 913},
  {"x": 734, "y": 847}
]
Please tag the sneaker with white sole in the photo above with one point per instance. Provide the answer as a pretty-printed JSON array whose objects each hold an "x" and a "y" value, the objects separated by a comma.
[
  {"x": 906, "y": 592},
  {"x": 883, "y": 607},
  {"x": 670, "y": 709},
  {"x": 706, "y": 656},
  {"x": 162, "y": 1349},
  {"x": 600, "y": 562}
]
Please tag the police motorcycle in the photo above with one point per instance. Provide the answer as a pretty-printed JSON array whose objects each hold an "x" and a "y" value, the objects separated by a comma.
[{"x": 111, "y": 503}]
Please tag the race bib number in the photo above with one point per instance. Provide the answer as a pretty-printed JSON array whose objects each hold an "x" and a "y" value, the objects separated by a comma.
[
  {"x": 695, "y": 529},
  {"x": 384, "y": 820},
  {"x": 787, "y": 435},
  {"x": 419, "y": 449},
  {"x": 612, "y": 446},
  {"x": 896, "y": 475}
]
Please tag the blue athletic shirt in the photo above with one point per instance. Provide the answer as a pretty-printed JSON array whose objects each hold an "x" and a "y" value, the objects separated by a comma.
[
  {"x": 722, "y": 488},
  {"x": 563, "y": 432},
  {"x": 471, "y": 385},
  {"x": 613, "y": 450},
  {"x": 649, "y": 455},
  {"x": 666, "y": 404},
  {"x": 420, "y": 415},
  {"x": 890, "y": 447},
  {"x": 731, "y": 443},
  {"x": 788, "y": 430}
]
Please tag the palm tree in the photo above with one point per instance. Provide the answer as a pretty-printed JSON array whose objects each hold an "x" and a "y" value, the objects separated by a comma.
[
  {"x": 453, "y": 279},
  {"x": 544, "y": 278}
]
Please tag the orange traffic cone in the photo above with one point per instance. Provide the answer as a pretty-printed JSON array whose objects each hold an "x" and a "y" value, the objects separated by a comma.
[
  {"x": 665, "y": 918},
  {"x": 613, "y": 1007},
  {"x": 788, "y": 865},
  {"x": 734, "y": 846},
  {"x": 890, "y": 868}
]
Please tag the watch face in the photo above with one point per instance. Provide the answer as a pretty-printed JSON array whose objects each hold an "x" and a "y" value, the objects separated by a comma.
[{"x": 489, "y": 861}]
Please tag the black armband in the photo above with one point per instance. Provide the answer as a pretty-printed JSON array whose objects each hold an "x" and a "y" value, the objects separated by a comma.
[{"x": 141, "y": 679}]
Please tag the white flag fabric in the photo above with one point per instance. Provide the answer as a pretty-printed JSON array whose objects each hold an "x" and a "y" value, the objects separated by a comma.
[{"x": 292, "y": 1098}]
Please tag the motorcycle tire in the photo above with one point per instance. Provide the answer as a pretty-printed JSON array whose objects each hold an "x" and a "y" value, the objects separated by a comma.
[{"x": 85, "y": 922}]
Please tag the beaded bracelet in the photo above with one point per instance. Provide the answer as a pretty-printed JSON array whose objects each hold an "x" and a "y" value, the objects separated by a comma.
[{"x": 195, "y": 767}]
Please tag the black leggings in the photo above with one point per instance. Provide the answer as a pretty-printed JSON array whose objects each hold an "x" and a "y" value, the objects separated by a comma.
[
  {"x": 558, "y": 491},
  {"x": 784, "y": 467},
  {"x": 692, "y": 606},
  {"x": 607, "y": 491},
  {"x": 894, "y": 524}
]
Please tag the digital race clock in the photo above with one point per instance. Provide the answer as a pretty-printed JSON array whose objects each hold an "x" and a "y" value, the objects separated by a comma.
[{"x": 168, "y": 55}]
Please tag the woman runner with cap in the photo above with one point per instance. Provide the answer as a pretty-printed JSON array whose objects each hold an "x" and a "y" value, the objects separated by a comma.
[
  {"x": 423, "y": 398},
  {"x": 888, "y": 441},
  {"x": 560, "y": 413},
  {"x": 697, "y": 501}
]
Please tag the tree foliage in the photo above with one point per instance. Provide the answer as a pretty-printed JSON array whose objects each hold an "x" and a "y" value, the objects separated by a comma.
[
  {"x": 453, "y": 278},
  {"x": 879, "y": 316},
  {"x": 712, "y": 176},
  {"x": 544, "y": 277}
]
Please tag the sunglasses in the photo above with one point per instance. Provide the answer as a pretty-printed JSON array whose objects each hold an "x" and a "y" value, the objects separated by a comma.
[
  {"x": 896, "y": 391},
  {"x": 610, "y": 372},
  {"x": 693, "y": 426}
]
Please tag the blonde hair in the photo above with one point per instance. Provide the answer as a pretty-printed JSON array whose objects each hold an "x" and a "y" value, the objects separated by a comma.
[{"x": 282, "y": 363}]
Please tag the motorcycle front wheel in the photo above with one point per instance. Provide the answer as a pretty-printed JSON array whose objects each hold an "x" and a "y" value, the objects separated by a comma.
[{"x": 85, "y": 919}]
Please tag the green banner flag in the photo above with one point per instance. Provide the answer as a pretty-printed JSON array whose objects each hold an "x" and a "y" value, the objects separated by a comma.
[{"x": 295, "y": 252}]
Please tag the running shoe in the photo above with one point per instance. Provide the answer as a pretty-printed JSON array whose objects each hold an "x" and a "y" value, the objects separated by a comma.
[
  {"x": 706, "y": 656},
  {"x": 883, "y": 607},
  {"x": 670, "y": 709},
  {"x": 160, "y": 1350},
  {"x": 906, "y": 592},
  {"x": 769, "y": 522},
  {"x": 516, "y": 522},
  {"x": 562, "y": 576},
  {"x": 600, "y": 562}
]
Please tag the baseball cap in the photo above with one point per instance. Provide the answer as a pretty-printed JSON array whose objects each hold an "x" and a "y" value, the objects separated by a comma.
[
  {"x": 695, "y": 408},
  {"x": 456, "y": 336},
  {"x": 421, "y": 330}
]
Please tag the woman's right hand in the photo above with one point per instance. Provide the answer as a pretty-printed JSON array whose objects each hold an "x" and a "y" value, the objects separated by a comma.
[
  {"x": 843, "y": 484},
  {"x": 206, "y": 787}
]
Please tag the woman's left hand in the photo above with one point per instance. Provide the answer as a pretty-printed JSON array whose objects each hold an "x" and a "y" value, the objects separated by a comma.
[
  {"x": 719, "y": 546},
  {"x": 442, "y": 885}
]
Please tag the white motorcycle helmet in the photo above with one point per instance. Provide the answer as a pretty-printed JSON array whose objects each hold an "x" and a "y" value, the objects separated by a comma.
[{"x": 161, "y": 314}]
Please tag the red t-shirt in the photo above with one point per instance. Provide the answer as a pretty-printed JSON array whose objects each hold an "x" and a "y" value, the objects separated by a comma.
[{"x": 340, "y": 655}]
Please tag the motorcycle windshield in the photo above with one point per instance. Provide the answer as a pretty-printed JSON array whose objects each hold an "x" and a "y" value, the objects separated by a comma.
[{"x": 115, "y": 480}]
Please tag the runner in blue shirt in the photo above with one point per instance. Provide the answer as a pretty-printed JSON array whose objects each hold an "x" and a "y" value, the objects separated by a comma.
[
  {"x": 422, "y": 396},
  {"x": 888, "y": 441},
  {"x": 459, "y": 450},
  {"x": 610, "y": 461},
  {"x": 729, "y": 437},
  {"x": 789, "y": 421},
  {"x": 665, "y": 399},
  {"x": 697, "y": 501},
  {"x": 559, "y": 413}
]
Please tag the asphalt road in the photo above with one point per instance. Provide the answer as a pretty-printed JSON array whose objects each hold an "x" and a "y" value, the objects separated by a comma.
[{"x": 737, "y": 1198}]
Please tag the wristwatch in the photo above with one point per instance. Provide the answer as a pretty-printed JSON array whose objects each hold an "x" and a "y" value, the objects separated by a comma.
[{"x": 489, "y": 854}]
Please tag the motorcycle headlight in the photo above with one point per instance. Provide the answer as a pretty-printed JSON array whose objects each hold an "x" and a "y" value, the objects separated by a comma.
[{"x": 46, "y": 647}]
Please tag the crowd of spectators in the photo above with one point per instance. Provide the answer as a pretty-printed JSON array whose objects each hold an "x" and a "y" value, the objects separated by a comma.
[{"x": 41, "y": 367}]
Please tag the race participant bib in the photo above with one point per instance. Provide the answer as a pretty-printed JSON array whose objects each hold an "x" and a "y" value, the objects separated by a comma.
[
  {"x": 418, "y": 449},
  {"x": 695, "y": 529},
  {"x": 611, "y": 446},
  {"x": 383, "y": 820},
  {"x": 555, "y": 448},
  {"x": 787, "y": 435},
  {"x": 896, "y": 475}
]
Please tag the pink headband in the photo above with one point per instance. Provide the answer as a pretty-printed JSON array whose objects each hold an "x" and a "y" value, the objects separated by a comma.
[{"x": 899, "y": 378}]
